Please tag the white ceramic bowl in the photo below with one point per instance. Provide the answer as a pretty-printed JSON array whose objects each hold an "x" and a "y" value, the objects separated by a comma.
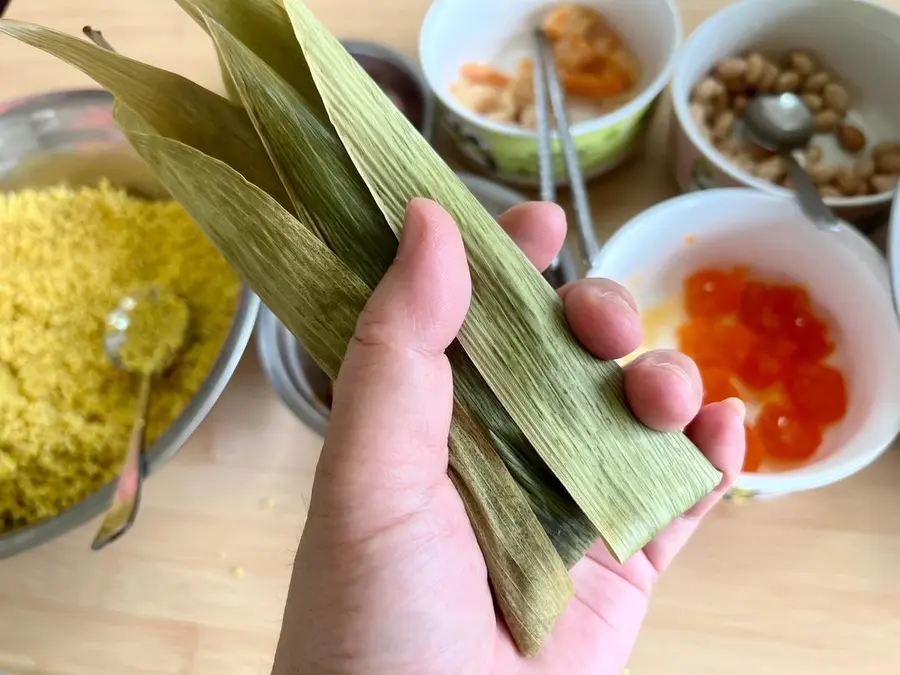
[
  {"x": 846, "y": 277},
  {"x": 499, "y": 32},
  {"x": 857, "y": 40}
]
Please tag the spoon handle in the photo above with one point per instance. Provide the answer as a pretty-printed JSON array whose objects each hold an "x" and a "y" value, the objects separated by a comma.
[
  {"x": 811, "y": 201},
  {"x": 126, "y": 499}
]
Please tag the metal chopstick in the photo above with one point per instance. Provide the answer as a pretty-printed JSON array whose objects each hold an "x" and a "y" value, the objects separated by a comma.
[{"x": 547, "y": 86}]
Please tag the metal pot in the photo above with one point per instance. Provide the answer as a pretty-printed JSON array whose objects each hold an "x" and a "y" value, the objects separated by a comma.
[{"x": 70, "y": 136}]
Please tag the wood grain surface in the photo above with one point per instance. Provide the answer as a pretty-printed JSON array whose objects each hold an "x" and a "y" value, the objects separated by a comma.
[{"x": 803, "y": 585}]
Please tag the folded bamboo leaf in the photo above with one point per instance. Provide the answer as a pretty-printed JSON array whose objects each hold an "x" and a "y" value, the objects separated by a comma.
[
  {"x": 264, "y": 27},
  {"x": 172, "y": 105},
  {"x": 276, "y": 254},
  {"x": 317, "y": 171},
  {"x": 629, "y": 480}
]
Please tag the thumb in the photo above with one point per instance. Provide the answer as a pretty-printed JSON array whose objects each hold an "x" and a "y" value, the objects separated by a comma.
[{"x": 386, "y": 445}]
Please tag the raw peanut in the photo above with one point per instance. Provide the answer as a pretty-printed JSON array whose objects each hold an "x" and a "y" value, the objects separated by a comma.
[
  {"x": 768, "y": 77},
  {"x": 744, "y": 163},
  {"x": 723, "y": 125},
  {"x": 863, "y": 190},
  {"x": 801, "y": 63},
  {"x": 836, "y": 97},
  {"x": 864, "y": 168},
  {"x": 700, "y": 114},
  {"x": 851, "y": 138},
  {"x": 731, "y": 69},
  {"x": 885, "y": 148},
  {"x": 883, "y": 183},
  {"x": 816, "y": 82},
  {"x": 813, "y": 102},
  {"x": 821, "y": 174},
  {"x": 758, "y": 153},
  {"x": 846, "y": 181},
  {"x": 826, "y": 121},
  {"x": 813, "y": 155},
  {"x": 708, "y": 90},
  {"x": 772, "y": 169},
  {"x": 828, "y": 191},
  {"x": 888, "y": 162},
  {"x": 730, "y": 147},
  {"x": 739, "y": 104},
  {"x": 787, "y": 81},
  {"x": 755, "y": 67},
  {"x": 787, "y": 182}
]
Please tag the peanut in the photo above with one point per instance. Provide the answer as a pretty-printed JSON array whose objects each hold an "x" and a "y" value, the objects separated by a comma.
[
  {"x": 787, "y": 81},
  {"x": 744, "y": 163},
  {"x": 816, "y": 82},
  {"x": 730, "y": 147},
  {"x": 801, "y": 63},
  {"x": 723, "y": 125},
  {"x": 739, "y": 104},
  {"x": 883, "y": 183},
  {"x": 758, "y": 153},
  {"x": 821, "y": 174},
  {"x": 755, "y": 67},
  {"x": 813, "y": 155},
  {"x": 813, "y": 102},
  {"x": 700, "y": 114},
  {"x": 888, "y": 162},
  {"x": 731, "y": 69},
  {"x": 828, "y": 191},
  {"x": 885, "y": 148},
  {"x": 770, "y": 73},
  {"x": 836, "y": 97},
  {"x": 851, "y": 138},
  {"x": 864, "y": 168},
  {"x": 846, "y": 181},
  {"x": 787, "y": 182},
  {"x": 772, "y": 169},
  {"x": 708, "y": 90},
  {"x": 826, "y": 121}
]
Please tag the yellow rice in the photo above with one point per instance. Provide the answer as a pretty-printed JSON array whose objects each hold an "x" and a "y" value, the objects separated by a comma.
[{"x": 66, "y": 259}]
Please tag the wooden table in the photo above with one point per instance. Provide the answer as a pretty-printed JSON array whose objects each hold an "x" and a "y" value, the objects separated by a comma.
[{"x": 808, "y": 584}]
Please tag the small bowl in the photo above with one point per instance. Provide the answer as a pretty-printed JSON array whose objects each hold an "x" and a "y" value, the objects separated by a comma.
[
  {"x": 460, "y": 31},
  {"x": 857, "y": 40},
  {"x": 70, "y": 137},
  {"x": 652, "y": 254},
  {"x": 299, "y": 382}
]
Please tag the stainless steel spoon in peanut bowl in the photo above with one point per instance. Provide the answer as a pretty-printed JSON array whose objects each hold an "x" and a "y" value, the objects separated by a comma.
[{"x": 85, "y": 223}]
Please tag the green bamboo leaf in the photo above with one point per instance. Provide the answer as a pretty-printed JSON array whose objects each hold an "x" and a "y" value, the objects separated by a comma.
[
  {"x": 629, "y": 480},
  {"x": 319, "y": 174},
  {"x": 264, "y": 27},
  {"x": 316, "y": 171},
  {"x": 276, "y": 255},
  {"x": 172, "y": 105}
]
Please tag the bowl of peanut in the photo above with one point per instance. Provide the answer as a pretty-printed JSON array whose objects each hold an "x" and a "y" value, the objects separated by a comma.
[{"x": 839, "y": 55}]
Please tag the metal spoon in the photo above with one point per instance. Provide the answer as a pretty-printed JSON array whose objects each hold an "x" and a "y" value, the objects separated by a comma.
[
  {"x": 784, "y": 124},
  {"x": 143, "y": 336}
]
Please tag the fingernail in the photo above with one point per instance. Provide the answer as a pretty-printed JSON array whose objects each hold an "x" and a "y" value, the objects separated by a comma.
[
  {"x": 413, "y": 233},
  {"x": 660, "y": 359},
  {"x": 738, "y": 406},
  {"x": 611, "y": 297}
]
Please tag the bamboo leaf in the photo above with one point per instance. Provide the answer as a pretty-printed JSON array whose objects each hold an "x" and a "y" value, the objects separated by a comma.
[
  {"x": 172, "y": 105},
  {"x": 264, "y": 27},
  {"x": 629, "y": 480},
  {"x": 326, "y": 189},
  {"x": 276, "y": 254}
]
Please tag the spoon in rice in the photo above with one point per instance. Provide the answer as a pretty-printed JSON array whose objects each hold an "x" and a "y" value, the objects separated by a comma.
[{"x": 143, "y": 336}]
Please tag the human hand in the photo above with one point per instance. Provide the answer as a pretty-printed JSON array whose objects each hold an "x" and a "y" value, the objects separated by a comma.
[{"x": 389, "y": 579}]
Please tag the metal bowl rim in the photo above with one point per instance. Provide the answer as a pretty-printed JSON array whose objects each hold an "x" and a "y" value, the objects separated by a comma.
[{"x": 172, "y": 440}]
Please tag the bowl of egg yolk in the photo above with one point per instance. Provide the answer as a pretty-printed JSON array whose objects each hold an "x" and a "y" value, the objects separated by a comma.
[{"x": 796, "y": 321}]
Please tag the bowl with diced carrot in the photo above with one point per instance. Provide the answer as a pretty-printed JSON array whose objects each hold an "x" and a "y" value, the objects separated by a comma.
[
  {"x": 796, "y": 321},
  {"x": 614, "y": 58}
]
